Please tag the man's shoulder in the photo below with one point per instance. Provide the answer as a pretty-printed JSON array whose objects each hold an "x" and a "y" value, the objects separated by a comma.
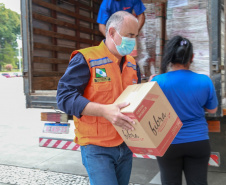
[
  {"x": 89, "y": 50},
  {"x": 93, "y": 53},
  {"x": 106, "y": 3},
  {"x": 130, "y": 58}
]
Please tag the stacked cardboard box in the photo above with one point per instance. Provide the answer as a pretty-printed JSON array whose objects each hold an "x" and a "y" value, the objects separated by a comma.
[
  {"x": 190, "y": 21},
  {"x": 151, "y": 39}
]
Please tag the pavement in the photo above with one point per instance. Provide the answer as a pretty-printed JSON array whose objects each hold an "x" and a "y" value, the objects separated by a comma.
[{"x": 23, "y": 162}]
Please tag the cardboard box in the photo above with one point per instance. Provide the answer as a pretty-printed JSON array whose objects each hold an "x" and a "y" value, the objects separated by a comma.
[
  {"x": 151, "y": 38},
  {"x": 191, "y": 22},
  {"x": 157, "y": 124}
]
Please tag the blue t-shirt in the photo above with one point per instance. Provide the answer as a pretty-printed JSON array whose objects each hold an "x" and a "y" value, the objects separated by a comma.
[
  {"x": 108, "y": 7},
  {"x": 189, "y": 93}
]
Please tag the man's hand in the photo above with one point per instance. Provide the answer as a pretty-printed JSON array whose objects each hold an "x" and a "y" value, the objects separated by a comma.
[{"x": 112, "y": 113}]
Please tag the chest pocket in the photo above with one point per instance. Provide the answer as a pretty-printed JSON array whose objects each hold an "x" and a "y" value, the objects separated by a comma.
[
  {"x": 104, "y": 95},
  {"x": 104, "y": 92}
]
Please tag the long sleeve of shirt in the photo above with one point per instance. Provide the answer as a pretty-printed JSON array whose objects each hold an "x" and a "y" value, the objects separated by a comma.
[
  {"x": 71, "y": 86},
  {"x": 138, "y": 74}
]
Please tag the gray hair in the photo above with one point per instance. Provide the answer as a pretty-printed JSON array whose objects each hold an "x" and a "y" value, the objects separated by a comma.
[{"x": 116, "y": 20}]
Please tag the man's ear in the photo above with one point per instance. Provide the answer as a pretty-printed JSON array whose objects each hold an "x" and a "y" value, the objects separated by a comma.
[{"x": 111, "y": 32}]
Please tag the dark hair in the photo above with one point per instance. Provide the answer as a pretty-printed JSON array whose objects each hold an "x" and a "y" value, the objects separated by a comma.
[{"x": 178, "y": 50}]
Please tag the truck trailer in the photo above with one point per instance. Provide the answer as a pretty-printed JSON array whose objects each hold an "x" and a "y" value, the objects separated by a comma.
[{"x": 52, "y": 29}]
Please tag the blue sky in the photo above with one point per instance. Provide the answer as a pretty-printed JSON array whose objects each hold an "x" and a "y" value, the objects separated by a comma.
[{"x": 12, "y": 4}]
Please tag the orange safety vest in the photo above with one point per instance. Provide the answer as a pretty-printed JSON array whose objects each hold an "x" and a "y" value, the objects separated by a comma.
[{"x": 105, "y": 85}]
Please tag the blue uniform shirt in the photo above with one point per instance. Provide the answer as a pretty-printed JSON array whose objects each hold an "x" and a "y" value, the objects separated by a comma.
[
  {"x": 72, "y": 84},
  {"x": 109, "y": 7},
  {"x": 189, "y": 93}
]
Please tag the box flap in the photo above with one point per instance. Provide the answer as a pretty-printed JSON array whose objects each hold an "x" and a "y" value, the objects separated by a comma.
[{"x": 134, "y": 94}]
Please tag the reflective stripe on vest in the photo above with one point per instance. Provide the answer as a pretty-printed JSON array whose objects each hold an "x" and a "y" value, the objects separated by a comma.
[
  {"x": 99, "y": 62},
  {"x": 129, "y": 64}
]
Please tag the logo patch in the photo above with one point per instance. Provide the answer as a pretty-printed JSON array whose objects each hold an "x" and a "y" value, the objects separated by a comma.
[
  {"x": 103, "y": 79},
  {"x": 134, "y": 81},
  {"x": 126, "y": 8},
  {"x": 101, "y": 72}
]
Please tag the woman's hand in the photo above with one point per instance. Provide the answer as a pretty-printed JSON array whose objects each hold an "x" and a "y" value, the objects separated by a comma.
[{"x": 151, "y": 77}]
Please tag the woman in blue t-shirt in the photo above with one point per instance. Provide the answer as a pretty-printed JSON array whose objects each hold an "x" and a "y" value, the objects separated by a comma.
[{"x": 190, "y": 94}]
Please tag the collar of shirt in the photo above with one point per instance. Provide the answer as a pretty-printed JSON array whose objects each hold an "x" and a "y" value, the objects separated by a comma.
[{"x": 111, "y": 56}]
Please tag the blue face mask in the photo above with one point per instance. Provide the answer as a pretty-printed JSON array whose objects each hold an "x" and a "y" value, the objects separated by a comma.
[{"x": 127, "y": 45}]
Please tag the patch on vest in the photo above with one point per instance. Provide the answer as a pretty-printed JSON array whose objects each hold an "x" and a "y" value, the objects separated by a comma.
[
  {"x": 104, "y": 79},
  {"x": 101, "y": 72},
  {"x": 134, "y": 81}
]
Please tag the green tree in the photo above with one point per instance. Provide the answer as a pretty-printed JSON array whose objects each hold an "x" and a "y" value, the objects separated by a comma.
[
  {"x": 8, "y": 55},
  {"x": 9, "y": 31}
]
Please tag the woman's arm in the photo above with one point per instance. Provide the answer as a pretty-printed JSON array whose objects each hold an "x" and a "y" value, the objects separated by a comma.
[{"x": 211, "y": 111}]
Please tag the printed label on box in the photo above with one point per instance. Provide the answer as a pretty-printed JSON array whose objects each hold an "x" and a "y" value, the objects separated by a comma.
[
  {"x": 159, "y": 122},
  {"x": 177, "y": 3},
  {"x": 161, "y": 149},
  {"x": 129, "y": 135},
  {"x": 143, "y": 108}
]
